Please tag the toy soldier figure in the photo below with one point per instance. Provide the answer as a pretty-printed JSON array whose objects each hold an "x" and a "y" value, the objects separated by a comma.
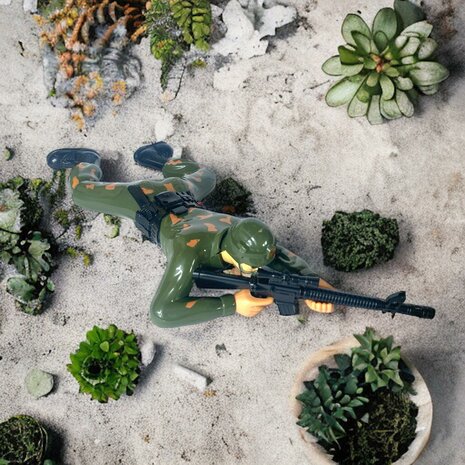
[{"x": 167, "y": 212}]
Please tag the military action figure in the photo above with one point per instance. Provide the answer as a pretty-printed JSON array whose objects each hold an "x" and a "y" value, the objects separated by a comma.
[{"x": 167, "y": 213}]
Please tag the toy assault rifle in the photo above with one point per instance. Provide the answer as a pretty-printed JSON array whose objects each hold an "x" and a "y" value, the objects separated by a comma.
[{"x": 288, "y": 289}]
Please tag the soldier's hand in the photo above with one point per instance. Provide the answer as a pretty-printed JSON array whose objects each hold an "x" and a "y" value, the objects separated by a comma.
[
  {"x": 321, "y": 307},
  {"x": 248, "y": 305}
]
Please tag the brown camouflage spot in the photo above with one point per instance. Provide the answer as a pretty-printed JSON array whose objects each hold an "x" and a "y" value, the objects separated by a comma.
[
  {"x": 174, "y": 162},
  {"x": 90, "y": 186},
  {"x": 169, "y": 187},
  {"x": 74, "y": 182},
  {"x": 147, "y": 191},
  {"x": 193, "y": 242},
  {"x": 110, "y": 187},
  {"x": 175, "y": 219},
  {"x": 191, "y": 304},
  {"x": 204, "y": 217},
  {"x": 211, "y": 227},
  {"x": 226, "y": 219},
  {"x": 186, "y": 226}
]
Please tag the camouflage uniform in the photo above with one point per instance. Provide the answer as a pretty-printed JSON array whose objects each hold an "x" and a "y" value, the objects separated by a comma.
[{"x": 190, "y": 241}]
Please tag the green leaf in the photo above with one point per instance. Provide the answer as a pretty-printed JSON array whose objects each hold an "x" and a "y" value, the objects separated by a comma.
[
  {"x": 351, "y": 70},
  {"x": 369, "y": 63},
  {"x": 343, "y": 91},
  {"x": 357, "y": 108},
  {"x": 105, "y": 346},
  {"x": 385, "y": 21},
  {"x": 427, "y": 48},
  {"x": 373, "y": 79},
  {"x": 408, "y": 12},
  {"x": 427, "y": 73},
  {"x": 429, "y": 90},
  {"x": 354, "y": 23},
  {"x": 370, "y": 375},
  {"x": 409, "y": 60},
  {"x": 411, "y": 47},
  {"x": 381, "y": 40},
  {"x": 363, "y": 43},
  {"x": 343, "y": 361},
  {"x": 400, "y": 41},
  {"x": 391, "y": 72},
  {"x": 332, "y": 66},
  {"x": 421, "y": 28},
  {"x": 387, "y": 87},
  {"x": 20, "y": 289},
  {"x": 348, "y": 57},
  {"x": 389, "y": 109}
]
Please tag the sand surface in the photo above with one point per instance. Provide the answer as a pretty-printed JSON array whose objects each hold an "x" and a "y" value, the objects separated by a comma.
[{"x": 302, "y": 160}]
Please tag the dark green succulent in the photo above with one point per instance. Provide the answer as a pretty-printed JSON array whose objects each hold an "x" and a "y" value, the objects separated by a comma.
[
  {"x": 329, "y": 402},
  {"x": 194, "y": 17},
  {"x": 174, "y": 26},
  {"x": 379, "y": 363},
  {"x": 107, "y": 363},
  {"x": 353, "y": 241},
  {"x": 23, "y": 441},
  {"x": 384, "y": 67}
]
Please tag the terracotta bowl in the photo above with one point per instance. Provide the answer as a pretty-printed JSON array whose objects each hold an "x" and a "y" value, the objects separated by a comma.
[{"x": 316, "y": 454}]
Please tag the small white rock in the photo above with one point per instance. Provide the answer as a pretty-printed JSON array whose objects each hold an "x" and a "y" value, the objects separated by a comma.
[
  {"x": 148, "y": 349},
  {"x": 177, "y": 152},
  {"x": 38, "y": 383},
  {"x": 30, "y": 6},
  {"x": 195, "y": 379}
]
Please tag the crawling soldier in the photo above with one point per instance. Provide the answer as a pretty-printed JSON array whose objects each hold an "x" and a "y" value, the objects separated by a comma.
[{"x": 168, "y": 214}]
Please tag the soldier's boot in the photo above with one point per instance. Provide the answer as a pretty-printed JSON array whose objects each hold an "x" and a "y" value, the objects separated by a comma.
[
  {"x": 61, "y": 159},
  {"x": 153, "y": 156}
]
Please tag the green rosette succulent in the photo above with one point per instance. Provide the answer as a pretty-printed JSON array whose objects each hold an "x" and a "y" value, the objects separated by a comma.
[
  {"x": 329, "y": 401},
  {"x": 385, "y": 67},
  {"x": 380, "y": 364},
  {"x": 107, "y": 363},
  {"x": 23, "y": 441}
]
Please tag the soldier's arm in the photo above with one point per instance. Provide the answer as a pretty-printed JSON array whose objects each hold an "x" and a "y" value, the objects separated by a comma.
[
  {"x": 172, "y": 306},
  {"x": 288, "y": 262}
]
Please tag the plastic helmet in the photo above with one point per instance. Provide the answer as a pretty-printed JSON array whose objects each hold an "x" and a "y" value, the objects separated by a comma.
[{"x": 250, "y": 241}]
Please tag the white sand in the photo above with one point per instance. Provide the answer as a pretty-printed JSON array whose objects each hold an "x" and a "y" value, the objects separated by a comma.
[{"x": 302, "y": 160}]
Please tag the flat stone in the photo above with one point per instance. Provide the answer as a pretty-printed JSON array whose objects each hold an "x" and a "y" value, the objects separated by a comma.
[
  {"x": 191, "y": 377},
  {"x": 38, "y": 383}
]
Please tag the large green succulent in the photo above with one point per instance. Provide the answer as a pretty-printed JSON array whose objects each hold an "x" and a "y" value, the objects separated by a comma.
[
  {"x": 107, "y": 363},
  {"x": 379, "y": 363},
  {"x": 384, "y": 67},
  {"x": 329, "y": 401},
  {"x": 353, "y": 241},
  {"x": 23, "y": 441}
]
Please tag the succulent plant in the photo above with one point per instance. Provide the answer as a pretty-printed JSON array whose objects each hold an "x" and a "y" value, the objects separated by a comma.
[
  {"x": 173, "y": 27},
  {"x": 379, "y": 363},
  {"x": 107, "y": 363},
  {"x": 23, "y": 441},
  {"x": 384, "y": 67},
  {"x": 329, "y": 401},
  {"x": 357, "y": 240},
  {"x": 194, "y": 17}
]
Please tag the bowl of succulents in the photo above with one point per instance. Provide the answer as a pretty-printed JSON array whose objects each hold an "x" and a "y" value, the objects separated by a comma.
[
  {"x": 384, "y": 68},
  {"x": 359, "y": 401}
]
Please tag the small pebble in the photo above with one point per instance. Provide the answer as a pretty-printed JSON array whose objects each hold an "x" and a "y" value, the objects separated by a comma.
[
  {"x": 195, "y": 379},
  {"x": 30, "y": 6},
  {"x": 148, "y": 349}
]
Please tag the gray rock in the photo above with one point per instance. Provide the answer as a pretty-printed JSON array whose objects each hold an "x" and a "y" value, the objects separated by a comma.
[
  {"x": 30, "y": 6},
  {"x": 39, "y": 383},
  {"x": 191, "y": 377}
]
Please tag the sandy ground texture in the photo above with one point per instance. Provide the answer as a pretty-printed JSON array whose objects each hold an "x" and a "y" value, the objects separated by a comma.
[{"x": 302, "y": 160}]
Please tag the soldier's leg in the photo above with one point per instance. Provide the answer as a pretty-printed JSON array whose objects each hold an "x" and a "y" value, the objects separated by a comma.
[
  {"x": 199, "y": 180},
  {"x": 180, "y": 174},
  {"x": 87, "y": 190}
]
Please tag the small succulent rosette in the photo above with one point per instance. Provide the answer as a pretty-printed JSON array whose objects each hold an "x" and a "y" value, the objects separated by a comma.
[{"x": 384, "y": 68}]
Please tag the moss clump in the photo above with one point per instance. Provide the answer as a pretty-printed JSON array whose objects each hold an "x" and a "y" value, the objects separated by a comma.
[
  {"x": 23, "y": 441},
  {"x": 353, "y": 241},
  {"x": 385, "y": 437},
  {"x": 230, "y": 197}
]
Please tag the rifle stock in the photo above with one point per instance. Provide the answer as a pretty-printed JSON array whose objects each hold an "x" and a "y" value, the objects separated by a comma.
[{"x": 288, "y": 289}]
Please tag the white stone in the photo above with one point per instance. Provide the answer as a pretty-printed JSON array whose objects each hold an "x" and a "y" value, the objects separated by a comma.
[
  {"x": 30, "y": 6},
  {"x": 191, "y": 377},
  {"x": 148, "y": 349}
]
